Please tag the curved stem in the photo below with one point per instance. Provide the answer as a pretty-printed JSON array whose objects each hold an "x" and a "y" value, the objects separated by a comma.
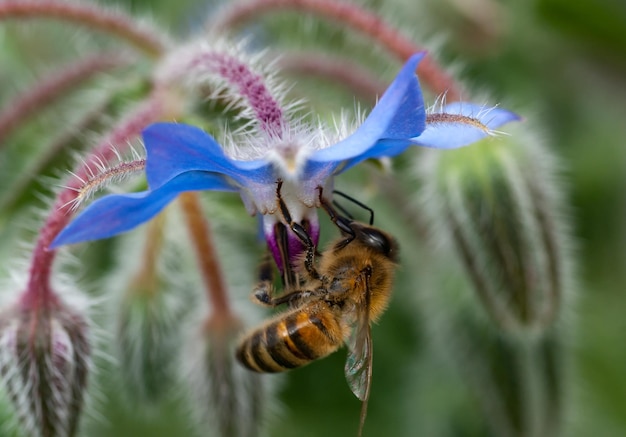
[
  {"x": 340, "y": 70},
  {"x": 145, "y": 280},
  {"x": 92, "y": 16},
  {"x": 58, "y": 146},
  {"x": 47, "y": 91},
  {"x": 202, "y": 239},
  {"x": 357, "y": 18},
  {"x": 61, "y": 213}
]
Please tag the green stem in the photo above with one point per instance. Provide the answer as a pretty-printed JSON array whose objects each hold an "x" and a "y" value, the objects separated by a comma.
[{"x": 533, "y": 396}]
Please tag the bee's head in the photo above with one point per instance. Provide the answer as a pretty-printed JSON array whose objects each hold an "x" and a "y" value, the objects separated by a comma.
[{"x": 376, "y": 240}]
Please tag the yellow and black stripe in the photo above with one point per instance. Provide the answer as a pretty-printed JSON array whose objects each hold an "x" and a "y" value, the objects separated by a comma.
[{"x": 295, "y": 340}]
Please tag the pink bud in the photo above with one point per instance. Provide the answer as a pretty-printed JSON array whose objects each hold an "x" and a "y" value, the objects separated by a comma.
[{"x": 44, "y": 361}]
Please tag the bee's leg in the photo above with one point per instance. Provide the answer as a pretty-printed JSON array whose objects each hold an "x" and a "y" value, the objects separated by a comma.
[
  {"x": 301, "y": 233},
  {"x": 288, "y": 276},
  {"x": 263, "y": 290},
  {"x": 341, "y": 222},
  {"x": 290, "y": 298}
]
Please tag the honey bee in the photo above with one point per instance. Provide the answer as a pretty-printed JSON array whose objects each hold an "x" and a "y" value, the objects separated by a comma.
[{"x": 334, "y": 303}]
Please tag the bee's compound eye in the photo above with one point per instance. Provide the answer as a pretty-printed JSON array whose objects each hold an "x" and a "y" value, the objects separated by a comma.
[{"x": 377, "y": 241}]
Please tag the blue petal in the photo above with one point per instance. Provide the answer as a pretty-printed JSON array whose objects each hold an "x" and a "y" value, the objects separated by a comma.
[
  {"x": 117, "y": 213},
  {"x": 450, "y": 134},
  {"x": 175, "y": 148},
  {"x": 398, "y": 115}
]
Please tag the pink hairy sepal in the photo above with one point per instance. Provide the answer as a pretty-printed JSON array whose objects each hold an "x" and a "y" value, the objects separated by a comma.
[{"x": 44, "y": 362}]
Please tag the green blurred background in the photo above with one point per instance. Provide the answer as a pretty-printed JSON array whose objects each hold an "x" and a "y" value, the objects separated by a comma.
[{"x": 560, "y": 62}]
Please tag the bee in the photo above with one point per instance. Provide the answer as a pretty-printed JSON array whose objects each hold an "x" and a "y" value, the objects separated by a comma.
[{"x": 334, "y": 302}]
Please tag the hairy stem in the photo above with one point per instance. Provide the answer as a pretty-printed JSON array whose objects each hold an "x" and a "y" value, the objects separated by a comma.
[
  {"x": 47, "y": 91},
  {"x": 202, "y": 239},
  {"x": 90, "y": 15},
  {"x": 61, "y": 213},
  {"x": 533, "y": 391},
  {"x": 351, "y": 15},
  {"x": 146, "y": 279},
  {"x": 340, "y": 70},
  {"x": 57, "y": 147}
]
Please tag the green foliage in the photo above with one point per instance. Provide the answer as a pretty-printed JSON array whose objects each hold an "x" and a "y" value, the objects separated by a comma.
[{"x": 560, "y": 62}]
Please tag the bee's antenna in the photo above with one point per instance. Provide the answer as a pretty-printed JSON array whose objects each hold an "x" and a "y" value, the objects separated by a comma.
[
  {"x": 343, "y": 223},
  {"x": 356, "y": 202},
  {"x": 343, "y": 210}
]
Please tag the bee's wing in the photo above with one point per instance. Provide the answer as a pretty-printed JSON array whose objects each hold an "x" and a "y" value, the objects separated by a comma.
[{"x": 358, "y": 367}]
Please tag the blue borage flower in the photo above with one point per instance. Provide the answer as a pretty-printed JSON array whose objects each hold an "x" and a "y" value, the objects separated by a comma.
[{"x": 184, "y": 158}]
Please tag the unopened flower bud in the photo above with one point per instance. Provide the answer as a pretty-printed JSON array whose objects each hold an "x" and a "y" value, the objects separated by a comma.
[
  {"x": 497, "y": 217},
  {"x": 227, "y": 398},
  {"x": 157, "y": 293},
  {"x": 44, "y": 363},
  {"x": 498, "y": 205},
  {"x": 147, "y": 342}
]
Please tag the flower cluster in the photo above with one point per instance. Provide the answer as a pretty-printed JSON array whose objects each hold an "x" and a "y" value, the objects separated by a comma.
[
  {"x": 184, "y": 158},
  {"x": 213, "y": 114}
]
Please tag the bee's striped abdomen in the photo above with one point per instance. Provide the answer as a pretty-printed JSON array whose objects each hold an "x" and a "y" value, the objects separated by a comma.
[{"x": 293, "y": 341}]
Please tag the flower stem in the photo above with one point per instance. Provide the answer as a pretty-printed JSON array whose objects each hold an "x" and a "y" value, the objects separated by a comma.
[
  {"x": 146, "y": 279},
  {"x": 61, "y": 213},
  {"x": 57, "y": 147},
  {"x": 534, "y": 396},
  {"x": 202, "y": 240},
  {"x": 92, "y": 16},
  {"x": 354, "y": 16},
  {"x": 56, "y": 86},
  {"x": 340, "y": 70}
]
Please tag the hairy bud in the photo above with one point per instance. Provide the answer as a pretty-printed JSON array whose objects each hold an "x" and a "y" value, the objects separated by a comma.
[
  {"x": 147, "y": 342},
  {"x": 498, "y": 220},
  {"x": 497, "y": 205},
  {"x": 44, "y": 363},
  {"x": 158, "y": 292},
  {"x": 226, "y": 397}
]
